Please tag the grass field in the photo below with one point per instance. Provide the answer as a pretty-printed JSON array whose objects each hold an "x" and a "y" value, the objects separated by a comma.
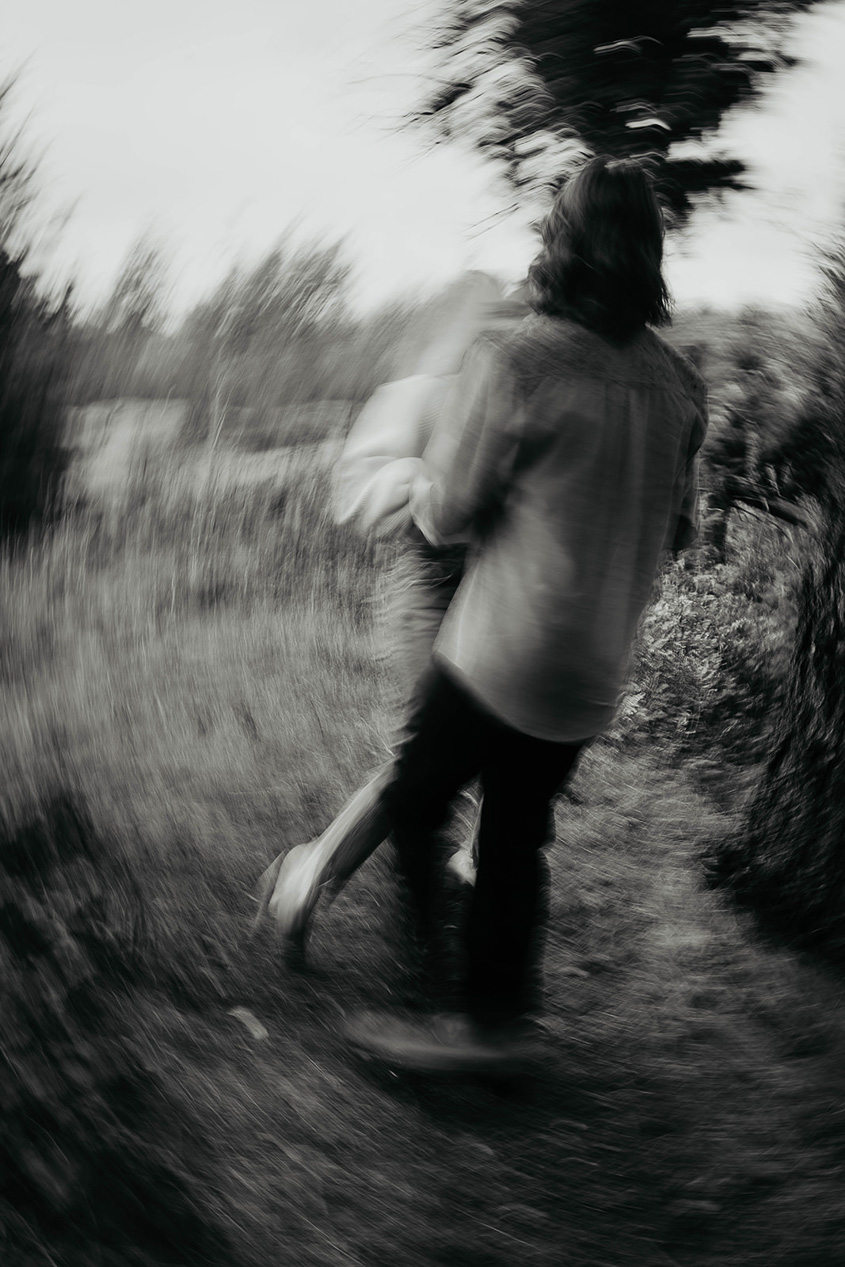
[{"x": 200, "y": 682}]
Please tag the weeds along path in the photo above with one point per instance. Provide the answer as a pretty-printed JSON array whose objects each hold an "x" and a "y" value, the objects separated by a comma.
[{"x": 212, "y": 696}]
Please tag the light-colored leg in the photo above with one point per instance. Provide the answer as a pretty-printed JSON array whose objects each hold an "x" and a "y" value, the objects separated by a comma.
[
  {"x": 264, "y": 890},
  {"x": 291, "y": 885},
  {"x": 464, "y": 861},
  {"x": 289, "y": 889}
]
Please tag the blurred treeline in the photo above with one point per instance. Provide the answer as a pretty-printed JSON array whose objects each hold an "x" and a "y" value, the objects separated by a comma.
[
  {"x": 256, "y": 362},
  {"x": 258, "y": 359},
  {"x": 276, "y": 338},
  {"x": 268, "y": 341}
]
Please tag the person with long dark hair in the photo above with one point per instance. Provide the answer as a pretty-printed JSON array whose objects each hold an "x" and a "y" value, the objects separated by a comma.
[{"x": 567, "y": 457}]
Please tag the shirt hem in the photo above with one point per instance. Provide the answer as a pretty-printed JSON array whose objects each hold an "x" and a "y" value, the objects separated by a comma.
[{"x": 465, "y": 682}]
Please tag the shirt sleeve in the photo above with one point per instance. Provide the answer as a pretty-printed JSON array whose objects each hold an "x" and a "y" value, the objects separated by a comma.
[
  {"x": 467, "y": 464},
  {"x": 688, "y": 525},
  {"x": 382, "y": 453}
]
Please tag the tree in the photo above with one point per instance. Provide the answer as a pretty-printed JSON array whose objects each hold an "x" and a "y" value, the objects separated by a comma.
[
  {"x": 137, "y": 302},
  {"x": 122, "y": 349},
  {"x": 265, "y": 338},
  {"x": 652, "y": 78},
  {"x": 33, "y": 358}
]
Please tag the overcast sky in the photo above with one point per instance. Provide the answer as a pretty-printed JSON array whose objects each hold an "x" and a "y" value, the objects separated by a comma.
[{"x": 216, "y": 124}]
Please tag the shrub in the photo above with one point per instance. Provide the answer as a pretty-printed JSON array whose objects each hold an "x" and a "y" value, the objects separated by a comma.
[{"x": 713, "y": 652}]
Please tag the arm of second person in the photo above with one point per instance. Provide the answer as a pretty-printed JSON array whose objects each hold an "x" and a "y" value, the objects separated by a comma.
[{"x": 468, "y": 462}]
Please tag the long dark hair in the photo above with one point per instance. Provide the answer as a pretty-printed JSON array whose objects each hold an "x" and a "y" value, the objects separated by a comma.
[{"x": 602, "y": 254}]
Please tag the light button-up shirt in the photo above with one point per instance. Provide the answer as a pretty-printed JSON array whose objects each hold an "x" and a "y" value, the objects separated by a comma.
[{"x": 570, "y": 463}]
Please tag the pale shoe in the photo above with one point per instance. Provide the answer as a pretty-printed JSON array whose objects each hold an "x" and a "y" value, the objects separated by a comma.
[
  {"x": 463, "y": 865},
  {"x": 264, "y": 891},
  {"x": 297, "y": 887},
  {"x": 288, "y": 890}
]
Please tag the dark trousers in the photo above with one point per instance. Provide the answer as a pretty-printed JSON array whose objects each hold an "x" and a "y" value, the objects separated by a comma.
[{"x": 448, "y": 740}]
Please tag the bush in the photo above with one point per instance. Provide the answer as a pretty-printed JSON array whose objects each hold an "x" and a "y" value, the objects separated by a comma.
[
  {"x": 713, "y": 653},
  {"x": 786, "y": 860}
]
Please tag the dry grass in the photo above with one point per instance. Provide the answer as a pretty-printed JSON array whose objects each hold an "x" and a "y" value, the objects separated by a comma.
[{"x": 203, "y": 675}]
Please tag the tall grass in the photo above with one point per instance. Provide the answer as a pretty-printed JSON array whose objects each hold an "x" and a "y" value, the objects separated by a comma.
[
  {"x": 178, "y": 670},
  {"x": 169, "y": 675}
]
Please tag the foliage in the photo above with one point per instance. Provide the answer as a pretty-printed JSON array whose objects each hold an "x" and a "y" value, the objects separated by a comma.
[
  {"x": 787, "y": 860},
  {"x": 16, "y": 177},
  {"x": 712, "y": 656},
  {"x": 283, "y": 335},
  {"x": 33, "y": 359},
  {"x": 121, "y": 349},
  {"x": 137, "y": 301},
  {"x": 274, "y": 357},
  {"x": 255, "y": 359},
  {"x": 33, "y": 380},
  {"x": 811, "y": 454},
  {"x": 107, "y": 365},
  {"x": 757, "y": 407},
  {"x": 262, "y": 334},
  {"x": 652, "y": 79}
]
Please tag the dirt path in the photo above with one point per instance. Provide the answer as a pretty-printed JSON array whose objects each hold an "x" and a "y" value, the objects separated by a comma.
[{"x": 689, "y": 1112}]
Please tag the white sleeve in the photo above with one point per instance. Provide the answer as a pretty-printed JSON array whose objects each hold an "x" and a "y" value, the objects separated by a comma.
[
  {"x": 382, "y": 454},
  {"x": 467, "y": 465}
]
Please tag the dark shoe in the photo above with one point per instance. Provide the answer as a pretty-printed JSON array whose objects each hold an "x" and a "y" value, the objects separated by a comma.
[{"x": 443, "y": 1044}]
